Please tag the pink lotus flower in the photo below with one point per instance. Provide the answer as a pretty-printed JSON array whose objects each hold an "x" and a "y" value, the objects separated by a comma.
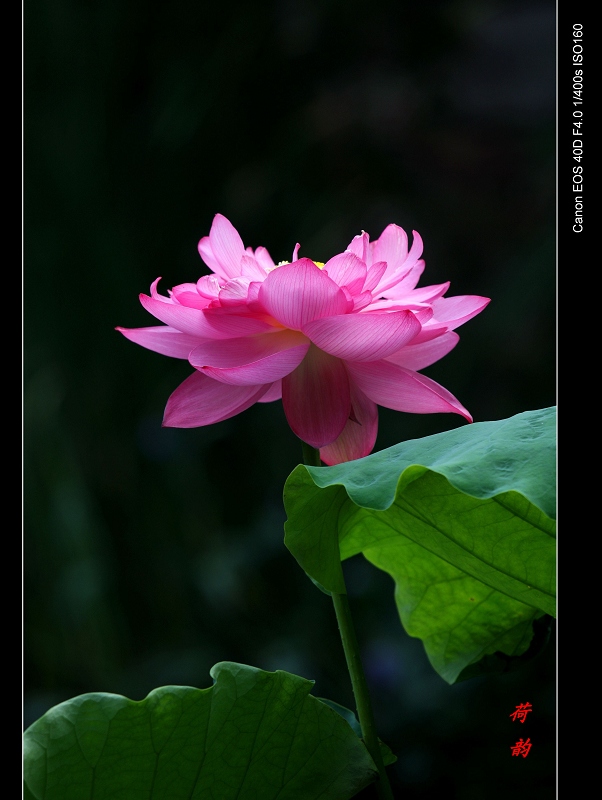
[{"x": 332, "y": 340}]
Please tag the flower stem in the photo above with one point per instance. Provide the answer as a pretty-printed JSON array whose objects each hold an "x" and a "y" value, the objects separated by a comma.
[
  {"x": 360, "y": 691},
  {"x": 311, "y": 457}
]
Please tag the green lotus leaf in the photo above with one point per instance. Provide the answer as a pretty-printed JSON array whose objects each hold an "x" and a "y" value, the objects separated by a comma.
[
  {"x": 464, "y": 523},
  {"x": 253, "y": 735},
  {"x": 387, "y": 754}
]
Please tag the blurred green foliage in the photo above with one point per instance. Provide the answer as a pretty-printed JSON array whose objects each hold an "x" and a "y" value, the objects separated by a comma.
[{"x": 150, "y": 554}]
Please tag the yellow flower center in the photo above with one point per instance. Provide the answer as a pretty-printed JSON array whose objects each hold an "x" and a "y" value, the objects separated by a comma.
[{"x": 319, "y": 264}]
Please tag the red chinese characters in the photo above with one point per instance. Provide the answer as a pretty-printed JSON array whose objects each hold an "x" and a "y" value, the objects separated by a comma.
[
  {"x": 521, "y": 712},
  {"x": 521, "y": 748}
]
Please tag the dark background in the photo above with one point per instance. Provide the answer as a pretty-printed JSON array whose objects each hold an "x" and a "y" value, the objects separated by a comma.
[{"x": 150, "y": 553}]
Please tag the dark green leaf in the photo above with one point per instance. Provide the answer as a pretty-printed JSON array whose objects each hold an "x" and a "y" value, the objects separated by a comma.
[
  {"x": 464, "y": 523},
  {"x": 387, "y": 754},
  {"x": 254, "y": 734},
  {"x": 500, "y": 663}
]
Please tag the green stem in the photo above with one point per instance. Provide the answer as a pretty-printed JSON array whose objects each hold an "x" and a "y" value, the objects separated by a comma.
[
  {"x": 360, "y": 691},
  {"x": 311, "y": 457}
]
